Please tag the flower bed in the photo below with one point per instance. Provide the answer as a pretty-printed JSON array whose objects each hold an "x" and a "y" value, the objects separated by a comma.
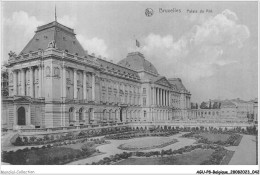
[
  {"x": 147, "y": 143},
  {"x": 215, "y": 138},
  {"x": 136, "y": 134},
  {"x": 215, "y": 157},
  {"x": 53, "y": 154},
  {"x": 70, "y": 136}
]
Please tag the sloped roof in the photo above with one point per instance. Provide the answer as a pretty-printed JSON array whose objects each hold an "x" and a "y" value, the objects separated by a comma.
[
  {"x": 117, "y": 69},
  {"x": 137, "y": 62},
  {"x": 227, "y": 103},
  {"x": 238, "y": 100},
  {"x": 177, "y": 83},
  {"x": 63, "y": 36},
  {"x": 161, "y": 80}
]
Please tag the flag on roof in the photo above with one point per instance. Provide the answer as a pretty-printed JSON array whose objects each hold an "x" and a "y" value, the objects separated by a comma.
[{"x": 137, "y": 43}]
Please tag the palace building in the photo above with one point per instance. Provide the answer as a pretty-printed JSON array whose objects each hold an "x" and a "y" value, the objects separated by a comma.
[{"x": 54, "y": 82}]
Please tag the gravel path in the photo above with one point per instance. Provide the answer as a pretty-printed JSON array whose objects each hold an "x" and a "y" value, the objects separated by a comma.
[
  {"x": 245, "y": 152},
  {"x": 111, "y": 149}
]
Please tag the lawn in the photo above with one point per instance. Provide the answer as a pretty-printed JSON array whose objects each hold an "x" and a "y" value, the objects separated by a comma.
[
  {"x": 148, "y": 143},
  {"x": 215, "y": 137},
  {"x": 42, "y": 156},
  {"x": 195, "y": 157}
]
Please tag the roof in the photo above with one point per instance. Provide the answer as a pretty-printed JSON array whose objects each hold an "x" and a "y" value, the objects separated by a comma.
[
  {"x": 137, "y": 62},
  {"x": 178, "y": 84},
  {"x": 117, "y": 69},
  {"x": 63, "y": 36},
  {"x": 161, "y": 80},
  {"x": 227, "y": 103},
  {"x": 238, "y": 100}
]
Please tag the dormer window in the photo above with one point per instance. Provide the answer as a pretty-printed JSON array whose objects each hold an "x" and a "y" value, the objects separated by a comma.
[
  {"x": 45, "y": 37},
  {"x": 66, "y": 51},
  {"x": 74, "y": 42},
  {"x": 37, "y": 39},
  {"x": 76, "y": 54}
]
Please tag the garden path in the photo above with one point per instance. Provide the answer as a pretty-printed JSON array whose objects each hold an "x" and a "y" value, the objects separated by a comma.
[{"x": 245, "y": 152}]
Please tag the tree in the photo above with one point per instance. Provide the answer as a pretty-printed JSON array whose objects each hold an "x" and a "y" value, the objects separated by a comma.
[
  {"x": 215, "y": 105},
  {"x": 203, "y": 105}
]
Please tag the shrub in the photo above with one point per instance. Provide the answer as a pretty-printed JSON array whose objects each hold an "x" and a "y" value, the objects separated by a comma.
[
  {"x": 18, "y": 142},
  {"x": 46, "y": 138}
]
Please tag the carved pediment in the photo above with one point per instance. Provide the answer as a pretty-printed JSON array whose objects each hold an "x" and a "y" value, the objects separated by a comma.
[
  {"x": 163, "y": 81},
  {"x": 23, "y": 99}
]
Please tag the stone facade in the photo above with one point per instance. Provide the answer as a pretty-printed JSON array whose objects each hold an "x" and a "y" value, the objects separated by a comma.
[
  {"x": 230, "y": 111},
  {"x": 54, "y": 82}
]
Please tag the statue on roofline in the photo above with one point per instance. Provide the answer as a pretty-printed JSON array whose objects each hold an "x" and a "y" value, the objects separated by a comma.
[
  {"x": 12, "y": 54},
  {"x": 52, "y": 44}
]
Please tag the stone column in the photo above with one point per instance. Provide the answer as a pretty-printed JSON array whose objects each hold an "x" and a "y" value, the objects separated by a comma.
[
  {"x": 169, "y": 100},
  {"x": 163, "y": 97},
  {"x": 31, "y": 82},
  {"x": 64, "y": 81},
  {"x": 154, "y": 96},
  {"x": 40, "y": 81},
  {"x": 75, "y": 83},
  {"x": 158, "y": 97},
  {"x": 166, "y": 99},
  {"x": 93, "y": 87},
  {"x": 23, "y": 81},
  {"x": 15, "y": 82},
  {"x": 84, "y": 85},
  {"x": 165, "y": 104}
]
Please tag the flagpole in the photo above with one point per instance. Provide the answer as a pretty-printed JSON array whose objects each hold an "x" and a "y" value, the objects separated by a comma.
[{"x": 134, "y": 44}]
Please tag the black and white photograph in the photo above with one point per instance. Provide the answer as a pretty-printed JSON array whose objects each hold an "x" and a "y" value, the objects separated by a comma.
[{"x": 123, "y": 83}]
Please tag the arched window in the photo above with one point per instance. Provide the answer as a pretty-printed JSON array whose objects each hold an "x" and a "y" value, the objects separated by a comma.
[
  {"x": 81, "y": 117},
  {"x": 21, "y": 116},
  {"x": 71, "y": 114},
  {"x": 144, "y": 114}
]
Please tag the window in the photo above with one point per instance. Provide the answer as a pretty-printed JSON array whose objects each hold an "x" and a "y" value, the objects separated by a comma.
[
  {"x": 48, "y": 71},
  {"x": 144, "y": 90},
  {"x": 144, "y": 101},
  {"x": 56, "y": 72},
  {"x": 81, "y": 114}
]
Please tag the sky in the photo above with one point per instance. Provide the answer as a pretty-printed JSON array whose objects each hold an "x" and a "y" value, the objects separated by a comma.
[{"x": 214, "y": 52}]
